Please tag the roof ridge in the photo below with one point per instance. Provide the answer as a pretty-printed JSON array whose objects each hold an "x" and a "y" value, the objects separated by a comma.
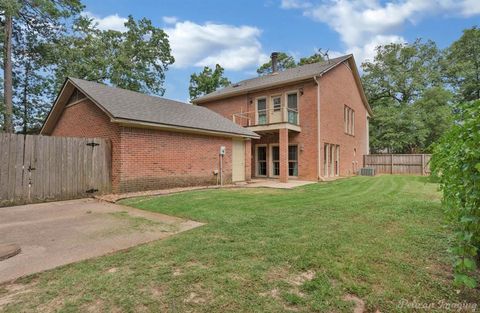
[
  {"x": 103, "y": 85},
  {"x": 288, "y": 75}
]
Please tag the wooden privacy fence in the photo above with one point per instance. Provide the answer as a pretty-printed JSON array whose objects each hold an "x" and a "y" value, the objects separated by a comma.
[
  {"x": 418, "y": 164},
  {"x": 39, "y": 168}
]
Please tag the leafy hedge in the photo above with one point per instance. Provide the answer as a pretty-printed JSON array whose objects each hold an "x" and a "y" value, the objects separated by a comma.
[{"x": 456, "y": 163}]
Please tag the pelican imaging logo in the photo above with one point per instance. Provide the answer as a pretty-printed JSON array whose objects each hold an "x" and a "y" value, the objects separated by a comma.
[{"x": 443, "y": 305}]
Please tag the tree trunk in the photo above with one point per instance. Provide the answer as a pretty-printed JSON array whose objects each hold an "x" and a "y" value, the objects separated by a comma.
[
  {"x": 25, "y": 98},
  {"x": 7, "y": 75}
]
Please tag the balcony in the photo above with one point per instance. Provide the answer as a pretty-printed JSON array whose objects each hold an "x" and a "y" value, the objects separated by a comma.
[{"x": 269, "y": 119}]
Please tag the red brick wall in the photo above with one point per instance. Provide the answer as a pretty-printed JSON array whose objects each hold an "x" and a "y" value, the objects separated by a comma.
[
  {"x": 85, "y": 119},
  {"x": 338, "y": 88},
  {"x": 306, "y": 139},
  {"x": 155, "y": 159},
  {"x": 144, "y": 159}
]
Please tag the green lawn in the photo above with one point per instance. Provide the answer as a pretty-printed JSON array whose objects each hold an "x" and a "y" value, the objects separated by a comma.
[{"x": 381, "y": 239}]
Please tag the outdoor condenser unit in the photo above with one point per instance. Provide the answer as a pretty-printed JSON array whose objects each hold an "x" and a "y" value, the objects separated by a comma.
[{"x": 367, "y": 171}]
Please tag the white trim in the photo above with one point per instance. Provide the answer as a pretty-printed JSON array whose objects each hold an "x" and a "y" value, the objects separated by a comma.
[
  {"x": 256, "y": 159},
  {"x": 275, "y": 126},
  {"x": 270, "y": 159},
  {"x": 298, "y": 160},
  {"x": 291, "y": 92},
  {"x": 256, "y": 109}
]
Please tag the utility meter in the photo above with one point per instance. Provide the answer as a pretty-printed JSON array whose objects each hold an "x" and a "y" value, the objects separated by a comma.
[{"x": 222, "y": 150}]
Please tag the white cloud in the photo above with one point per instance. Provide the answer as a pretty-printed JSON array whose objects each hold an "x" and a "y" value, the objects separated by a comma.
[
  {"x": 469, "y": 7},
  {"x": 295, "y": 4},
  {"x": 364, "y": 24},
  {"x": 109, "y": 22},
  {"x": 366, "y": 51},
  {"x": 170, "y": 19},
  {"x": 233, "y": 47}
]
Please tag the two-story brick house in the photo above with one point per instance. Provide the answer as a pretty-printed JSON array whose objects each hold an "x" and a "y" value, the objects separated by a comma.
[{"x": 312, "y": 119}]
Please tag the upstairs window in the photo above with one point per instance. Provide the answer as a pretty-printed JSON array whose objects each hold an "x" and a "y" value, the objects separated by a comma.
[
  {"x": 292, "y": 107},
  {"x": 262, "y": 111},
  {"x": 277, "y": 103},
  {"x": 349, "y": 120}
]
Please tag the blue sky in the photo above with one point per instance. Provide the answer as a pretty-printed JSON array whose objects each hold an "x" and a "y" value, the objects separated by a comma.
[{"x": 240, "y": 35}]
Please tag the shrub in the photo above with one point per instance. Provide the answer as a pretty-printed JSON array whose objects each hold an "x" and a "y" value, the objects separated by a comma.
[{"x": 456, "y": 163}]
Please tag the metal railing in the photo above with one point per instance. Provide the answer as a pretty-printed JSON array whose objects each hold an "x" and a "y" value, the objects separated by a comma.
[{"x": 267, "y": 116}]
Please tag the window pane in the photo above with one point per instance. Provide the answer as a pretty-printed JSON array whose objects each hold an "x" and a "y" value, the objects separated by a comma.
[
  {"x": 262, "y": 111},
  {"x": 262, "y": 153},
  {"x": 292, "y": 153},
  {"x": 353, "y": 122},
  {"x": 262, "y": 168},
  {"x": 325, "y": 159},
  {"x": 292, "y": 169},
  {"x": 275, "y": 153},
  {"x": 292, "y": 101},
  {"x": 276, "y": 168},
  {"x": 262, "y": 118},
  {"x": 292, "y": 108},
  {"x": 277, "y": 103},
  {"x": 261, "y": 104}
]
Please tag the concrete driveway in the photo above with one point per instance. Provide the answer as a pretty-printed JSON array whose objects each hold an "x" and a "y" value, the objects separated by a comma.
[{"x": 58, "y": 233}]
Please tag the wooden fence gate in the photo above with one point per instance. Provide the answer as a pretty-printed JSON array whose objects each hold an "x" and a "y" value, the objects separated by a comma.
[
  {"x": 38, "y": 168},
  {"x": 418, "y": 164}
]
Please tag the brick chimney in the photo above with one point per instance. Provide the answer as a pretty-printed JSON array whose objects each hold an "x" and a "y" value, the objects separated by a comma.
[{"x": 274, "y": 57}]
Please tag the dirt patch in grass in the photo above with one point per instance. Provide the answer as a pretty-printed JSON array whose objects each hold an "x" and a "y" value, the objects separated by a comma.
[
  {"x": 359, "y": 303},
  {"x": 10, "y": 292},
  {"x": 301, "y": 278},
  {"x": 198, "y": 295}
]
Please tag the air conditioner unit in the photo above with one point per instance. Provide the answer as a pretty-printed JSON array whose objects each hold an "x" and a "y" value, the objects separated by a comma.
[{"x": 367, "y": 171}]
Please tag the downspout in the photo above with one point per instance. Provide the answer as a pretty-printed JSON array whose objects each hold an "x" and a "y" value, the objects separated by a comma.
[{"x": 319, "y": 149}]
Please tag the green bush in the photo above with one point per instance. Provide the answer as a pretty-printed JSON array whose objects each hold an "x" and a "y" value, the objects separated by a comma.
[{"x": 456, "y": 163}]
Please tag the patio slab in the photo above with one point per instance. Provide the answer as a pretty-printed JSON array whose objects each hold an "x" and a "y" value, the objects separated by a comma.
[{"x": 57, "y": 233}]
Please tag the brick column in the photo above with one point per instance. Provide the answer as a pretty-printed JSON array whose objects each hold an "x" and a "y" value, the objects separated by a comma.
[{"x": 283, "y": 147}]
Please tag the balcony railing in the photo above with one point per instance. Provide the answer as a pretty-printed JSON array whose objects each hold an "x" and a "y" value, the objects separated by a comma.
[{"x": 267, "y": 117}]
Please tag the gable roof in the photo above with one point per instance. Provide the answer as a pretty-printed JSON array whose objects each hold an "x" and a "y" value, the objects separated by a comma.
[
  {"x": 291, "y": 75},
  {"x": 125, "y": 106}
]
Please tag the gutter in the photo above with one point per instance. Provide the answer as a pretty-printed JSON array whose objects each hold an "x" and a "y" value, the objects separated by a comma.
[
  {"x": 151, "y": 125},
  {"x": 319, "y": 149}
]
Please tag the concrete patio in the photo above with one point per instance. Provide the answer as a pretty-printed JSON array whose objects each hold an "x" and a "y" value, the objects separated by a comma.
[{"x": 57, "y": 233}]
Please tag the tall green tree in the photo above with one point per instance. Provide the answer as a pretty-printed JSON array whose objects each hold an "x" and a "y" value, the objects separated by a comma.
[
  {"x": 136, "y": 59},
  {"x": 435, "y": 109},
  {"x": 33, "y": 88},
  {"x": 207, "y": 81},
  {"x": 401, "y": 72},
  {"x": 284, "y": 61},
  {"x": 314, "y": 58},
  {"x": 462, "y": 65},
  {"x": 41, "y": 21},
  {"x": 400, "y": 76}
]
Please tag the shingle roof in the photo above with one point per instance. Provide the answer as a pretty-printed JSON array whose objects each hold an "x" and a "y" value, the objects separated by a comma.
[
  {"x": 289, "y": 75},
  {"x": 135, "y": 106}
]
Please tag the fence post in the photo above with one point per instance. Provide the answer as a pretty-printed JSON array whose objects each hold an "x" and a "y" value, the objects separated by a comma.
[
  {"x": 423, "y": 164},
  {"x": 391, "y": 163}
]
